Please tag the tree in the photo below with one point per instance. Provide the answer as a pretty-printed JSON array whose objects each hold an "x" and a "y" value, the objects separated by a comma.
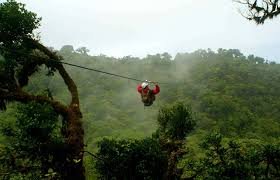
[
  {"x": 175, "y": 122},
  {"x": 261, "y": 10},
  {"x": 166, "y": 56},
  {"x": 82, "y": 50},
  {"x": 67, "y": 49},
  {"x": 23, "y": 55}
]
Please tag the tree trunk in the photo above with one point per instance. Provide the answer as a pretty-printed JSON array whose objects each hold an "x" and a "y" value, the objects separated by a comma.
[
  {"x": 74, "y": 129},
  {"x": 75, "y": 142}
]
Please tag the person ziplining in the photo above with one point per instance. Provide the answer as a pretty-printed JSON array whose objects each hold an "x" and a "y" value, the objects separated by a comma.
[{"x": 147, "y": 94}]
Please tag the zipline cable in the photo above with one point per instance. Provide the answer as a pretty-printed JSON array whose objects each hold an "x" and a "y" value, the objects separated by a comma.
[
  {"x": 96, "y": 70},
  {"x": 112, "y": 74},
  {"x": 82, "y": 67}
]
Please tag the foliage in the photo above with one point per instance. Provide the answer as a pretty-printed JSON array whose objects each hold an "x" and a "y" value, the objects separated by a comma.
[
  {"x": 232, "y": 160},
  {"x": 36, "y": 122},
  {"x": 66, "y": 49},
  {"x": 131, "y": 159},
  {"x": 148, "y": 158},
  {"x": 33, "y": 145},
  {"x": 82, "y": 50},
  {"x": 175, "y": 122},
  {"x": 16, "y": 22}
]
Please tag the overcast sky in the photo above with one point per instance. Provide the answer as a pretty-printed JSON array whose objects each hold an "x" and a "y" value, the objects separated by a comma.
[{"x": 140, "y": 27}]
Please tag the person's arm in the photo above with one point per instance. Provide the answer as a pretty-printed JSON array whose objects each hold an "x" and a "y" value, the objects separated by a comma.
[
  {"x": 156, "y": 90},
  {"x": 139, "y": 88}
]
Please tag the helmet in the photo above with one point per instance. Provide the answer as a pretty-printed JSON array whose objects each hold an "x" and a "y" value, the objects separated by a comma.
[{"x": 144, "y": 85}]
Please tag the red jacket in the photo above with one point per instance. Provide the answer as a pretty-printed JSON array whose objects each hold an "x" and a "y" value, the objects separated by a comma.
[{"x": 155, "y": 90}]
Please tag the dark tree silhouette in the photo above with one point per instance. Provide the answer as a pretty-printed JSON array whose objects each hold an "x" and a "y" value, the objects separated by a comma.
[{"x": 260, "y": 10}]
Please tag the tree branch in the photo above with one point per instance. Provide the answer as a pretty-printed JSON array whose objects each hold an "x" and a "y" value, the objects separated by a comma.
[
  {"x": 24, "y": 97},
  {"x": 67, "y": 79},
  {"x": 260, "y": 12}
]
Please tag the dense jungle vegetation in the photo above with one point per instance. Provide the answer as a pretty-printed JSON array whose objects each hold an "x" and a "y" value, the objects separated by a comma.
[{"x": 217, "y": 115}]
